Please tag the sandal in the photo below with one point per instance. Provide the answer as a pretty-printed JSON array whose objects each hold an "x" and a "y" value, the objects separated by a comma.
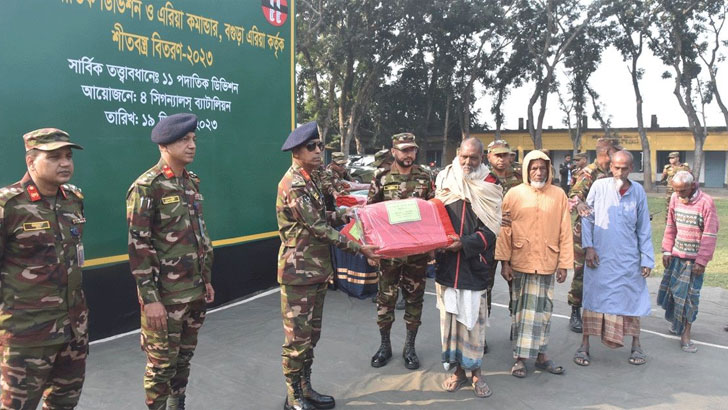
[
  {"x": 454, "y": 383},
  {"x": 688, "y": 347},
  {"x": 549, "y": 366},
  {"x": 638, "y": 357},
  {"x": 519, "y": 371},
  {"x": 481, "y": 389},
  {"x": 582, "y": 358}
]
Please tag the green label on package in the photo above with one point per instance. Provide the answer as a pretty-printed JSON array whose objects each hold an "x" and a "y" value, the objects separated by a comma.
[
  {"x": 355, "y": 231},
  {"x": 402, "y": 211}
]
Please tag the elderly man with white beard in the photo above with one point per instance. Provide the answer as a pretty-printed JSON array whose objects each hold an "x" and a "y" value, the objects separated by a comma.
[
  {"x": 617, "y": 239},
  {"x": 472, "y": 198},
  {"x": 537, "y": 246}
]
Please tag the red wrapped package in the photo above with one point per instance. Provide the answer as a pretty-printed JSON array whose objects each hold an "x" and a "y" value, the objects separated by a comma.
[
  {"x": 351, "y": 200},
  {"x": 402, "y": 227}
]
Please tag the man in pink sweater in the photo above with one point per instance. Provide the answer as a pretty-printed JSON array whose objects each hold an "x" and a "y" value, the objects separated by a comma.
[{"x": 687, "y": 247}]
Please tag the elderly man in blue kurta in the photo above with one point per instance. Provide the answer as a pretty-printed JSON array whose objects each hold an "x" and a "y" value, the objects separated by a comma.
[{"x": 617, "y": 238}]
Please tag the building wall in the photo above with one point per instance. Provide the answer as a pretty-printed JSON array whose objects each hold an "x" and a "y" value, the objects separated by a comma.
[{"x": 660, "y": 139}]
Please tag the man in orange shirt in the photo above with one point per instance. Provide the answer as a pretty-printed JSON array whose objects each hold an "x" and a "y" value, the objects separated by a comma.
[{"x": 532, "y": 249}]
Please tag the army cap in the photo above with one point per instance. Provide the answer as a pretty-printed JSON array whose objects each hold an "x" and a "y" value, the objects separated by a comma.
[
  {"x": 48, "y": 139},
  {"x": 381, "y": 156},
  {"x": 404, "y": 140},
  {"x": 173, "y": 127},
  {"x": 301, "y": 135},
  {"x": 580, "y": 155},
  {"x": 609, "y": 143},
  {"x": 674, "y": 154},
  {"x": 339, "y": 158},
  {"x": 499, "y": 147}
]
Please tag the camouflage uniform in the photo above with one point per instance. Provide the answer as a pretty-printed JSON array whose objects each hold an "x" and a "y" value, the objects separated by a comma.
[
  {"x": 304, "y": 268},
  {"x": 668, "y": 172},
  {"x": 407, "y": 273},
  {"x": 580, "y": 189},
  {"x": 170, "y": 255},
  {"x": 43, "y": 315}
]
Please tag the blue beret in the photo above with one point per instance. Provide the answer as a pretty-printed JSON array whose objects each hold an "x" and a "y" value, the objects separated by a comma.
[
  {"x": 301, "y": 135},
  {"x": 173, "y": 127}
]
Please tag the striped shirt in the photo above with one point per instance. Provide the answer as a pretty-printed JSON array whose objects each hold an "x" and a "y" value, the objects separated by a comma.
[{"x": 692, "y": 228}]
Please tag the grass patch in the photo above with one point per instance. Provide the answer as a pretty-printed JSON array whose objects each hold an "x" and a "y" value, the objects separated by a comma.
[{"x": 716, "y": 273}]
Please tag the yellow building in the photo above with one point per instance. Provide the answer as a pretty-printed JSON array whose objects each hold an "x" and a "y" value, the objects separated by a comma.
[{"x": 662, "y": 142}]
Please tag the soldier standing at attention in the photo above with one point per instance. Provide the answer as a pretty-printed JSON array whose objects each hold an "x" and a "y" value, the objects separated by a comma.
[
  {"x": 170, "y": 255},
  {"x": 580, "y": 161},
  {"x": 43, "y": 315},
  {"x": 304, "y": 264},
  {"x": 500, "y": 159},
  {"x": 668, "y": 172},
  {"x": 404, "y": 179},
  {"x": 599, "y": 169}
]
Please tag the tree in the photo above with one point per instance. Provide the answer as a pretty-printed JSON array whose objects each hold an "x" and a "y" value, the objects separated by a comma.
[
  {"x": 710, "y": 46},
  {"x": 549, "y": 28},
  {"x": 674, "y": 39},
  {"x": 633, "y": 24}
]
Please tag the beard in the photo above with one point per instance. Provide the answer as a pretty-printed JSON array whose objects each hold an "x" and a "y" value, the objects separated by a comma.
[
  {"x": 405, "y": 163},
  {"x": 537, "y": 185},
  {"x": 618, "y": 183}
]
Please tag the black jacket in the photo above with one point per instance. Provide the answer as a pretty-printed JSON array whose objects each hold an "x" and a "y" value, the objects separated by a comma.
[{"x": 468, "y": 268}]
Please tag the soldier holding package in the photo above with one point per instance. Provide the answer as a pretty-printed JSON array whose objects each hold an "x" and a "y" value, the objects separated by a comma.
[
  {"x": 304, "y": 264},
  {"x": 668, "y": 173},
  {"x": 170, "y": 254},
  {"x": 404, "y": 179},
  {"x": 43, "y": 315}
]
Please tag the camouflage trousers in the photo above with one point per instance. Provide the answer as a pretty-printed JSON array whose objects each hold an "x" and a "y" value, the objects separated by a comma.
[
  {"x": 409, "y": 275},
  {"x": 577, "y": 282},
  {"x": 55, "y": 372},
  {"x": 169, "y": 352},
  {"x": 302, "y": 308}
]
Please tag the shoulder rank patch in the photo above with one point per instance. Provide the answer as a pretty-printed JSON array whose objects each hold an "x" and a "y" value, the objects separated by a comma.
[
  {"x": 36, "y": 226},
  {"x": 33, "y": 193},
  {"x": 170, "y": 199},
  {"x": 167, "y": 171}
]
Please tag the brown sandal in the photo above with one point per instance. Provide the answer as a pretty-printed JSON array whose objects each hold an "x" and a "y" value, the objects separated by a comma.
[
  {"x": 454, "y": 383},
  {"x": 481, "y": 388},
  {"x": 519, "y": 371}
]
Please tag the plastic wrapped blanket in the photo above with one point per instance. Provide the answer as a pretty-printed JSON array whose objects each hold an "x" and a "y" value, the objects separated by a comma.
[{"x": 402, "y": 227}]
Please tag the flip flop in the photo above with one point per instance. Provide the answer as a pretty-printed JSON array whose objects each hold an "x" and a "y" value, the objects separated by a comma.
[
  {"x": 519, "y": 372},
  {"x": 581, "y": 357},
  {"x": 638, "y": 357},
  {"x": 481, "y": 389},
  {"x": 549, "y": 366},
  {"x": 454, "y": 383},
  {"x": 688, "y": 347}
]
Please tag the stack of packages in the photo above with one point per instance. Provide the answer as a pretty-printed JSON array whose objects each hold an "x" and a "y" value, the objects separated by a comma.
[{"x": 402, "y": 227}]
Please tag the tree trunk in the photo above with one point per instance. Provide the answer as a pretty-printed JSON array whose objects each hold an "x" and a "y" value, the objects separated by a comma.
[
  {"x": 444, "y": 132},
  {"x": 646, "y": 151},
  {"x": 531, "y": 129}
]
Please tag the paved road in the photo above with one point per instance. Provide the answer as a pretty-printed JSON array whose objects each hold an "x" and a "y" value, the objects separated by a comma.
[{"x": 237, "y": 365}]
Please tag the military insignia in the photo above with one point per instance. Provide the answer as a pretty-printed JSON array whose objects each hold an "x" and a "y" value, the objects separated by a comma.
[
  {"x": 391, "y": 187},
  {"x": 33, "y": 192},
  {"x": 79, "y": 220},
  {"x": 170, "y": 199},
  {"x": 36, "y": 226},
  {"x": 305, "y": 174},
  {"x": 168, "y": 172},
  {"x": 198, "y": 197}
]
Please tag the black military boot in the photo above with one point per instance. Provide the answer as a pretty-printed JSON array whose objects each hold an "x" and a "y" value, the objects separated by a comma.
[
  {"x": 382, "y": 356},
  {"x": 575, "y": 320},
  {"x": 295, "y": 399},
  {"x": 410, "y": 356},
  {"x": 320, "y": 401}
]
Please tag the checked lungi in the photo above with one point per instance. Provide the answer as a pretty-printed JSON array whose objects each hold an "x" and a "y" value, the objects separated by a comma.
[
  {"x": 532, "y": 296},
  {"x": 460, "y": 346},
  {"x": 611, "y": 328},
  {"x": 679, "y": 293}
]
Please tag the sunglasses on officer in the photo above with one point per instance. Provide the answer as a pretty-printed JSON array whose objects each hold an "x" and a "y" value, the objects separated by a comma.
[{"x": 311, "y": 146}]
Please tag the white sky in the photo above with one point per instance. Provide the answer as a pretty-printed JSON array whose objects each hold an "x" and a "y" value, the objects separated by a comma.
[{"x": 613, "y": 83}]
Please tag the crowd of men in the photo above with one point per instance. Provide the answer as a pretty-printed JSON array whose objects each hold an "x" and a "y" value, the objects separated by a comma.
[
  {"x": 504, "y": 213},
  {"x": 509, "y": 214}
]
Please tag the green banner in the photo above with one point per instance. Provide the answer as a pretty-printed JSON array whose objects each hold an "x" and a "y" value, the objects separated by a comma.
[{"x": 107, "y": 71}]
